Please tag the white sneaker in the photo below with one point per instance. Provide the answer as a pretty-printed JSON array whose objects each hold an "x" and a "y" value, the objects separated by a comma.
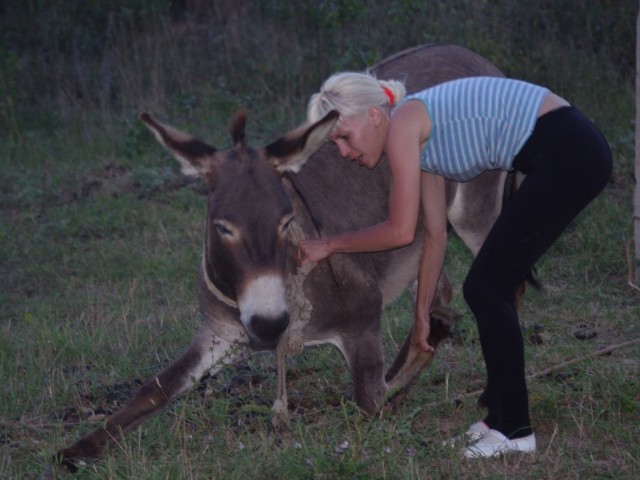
[
  {"x": 474, "y": 433},
  {"x": 494, "y": 443}
]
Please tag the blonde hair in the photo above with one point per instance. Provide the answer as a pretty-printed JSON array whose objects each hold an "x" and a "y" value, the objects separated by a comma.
[{"x": 352, "y": 93}]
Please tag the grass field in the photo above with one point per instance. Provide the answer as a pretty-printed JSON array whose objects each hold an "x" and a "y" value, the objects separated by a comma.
[{"x": 100, "y": 238}]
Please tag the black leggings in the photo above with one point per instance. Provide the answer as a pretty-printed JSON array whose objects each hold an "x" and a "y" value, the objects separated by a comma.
[{"x": 567, "y": 162}]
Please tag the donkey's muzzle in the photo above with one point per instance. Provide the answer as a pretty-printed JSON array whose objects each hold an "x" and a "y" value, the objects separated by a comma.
[{"x": 264, "y": 333}]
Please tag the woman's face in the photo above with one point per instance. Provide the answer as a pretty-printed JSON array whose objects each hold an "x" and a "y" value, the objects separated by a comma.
[{"x": 361, "y": 138}]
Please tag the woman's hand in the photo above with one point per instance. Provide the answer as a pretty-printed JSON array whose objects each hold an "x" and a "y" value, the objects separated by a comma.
[
  {"x": 310, "y": 251},
  {"x": 420, "y": 332}
]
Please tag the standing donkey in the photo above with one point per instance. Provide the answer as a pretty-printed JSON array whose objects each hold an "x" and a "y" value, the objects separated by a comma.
[{"x": 260, "y": 203}]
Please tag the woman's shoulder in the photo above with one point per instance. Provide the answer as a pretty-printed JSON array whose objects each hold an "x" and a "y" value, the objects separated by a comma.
[
  {"x": 410, "y": 110},
  {"x": 411, "y": 117}
]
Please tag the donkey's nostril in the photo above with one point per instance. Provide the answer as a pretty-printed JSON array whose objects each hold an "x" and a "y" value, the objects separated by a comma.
[{"x": 269, "y": 329}]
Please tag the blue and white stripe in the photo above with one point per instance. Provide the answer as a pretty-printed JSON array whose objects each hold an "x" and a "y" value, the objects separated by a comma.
[{"x": 478, "y": 124}]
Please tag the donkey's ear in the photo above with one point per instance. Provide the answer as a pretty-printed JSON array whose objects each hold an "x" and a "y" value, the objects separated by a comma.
[
  {"x": 195, "y": 156},
  {"x": 291, "y": 151}
]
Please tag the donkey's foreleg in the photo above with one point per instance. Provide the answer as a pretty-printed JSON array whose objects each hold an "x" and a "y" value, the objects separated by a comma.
[
  {"x": 411, "y": 360},
  {"x": 363, "y": 352},
  {"x": 207, "y": 353}
]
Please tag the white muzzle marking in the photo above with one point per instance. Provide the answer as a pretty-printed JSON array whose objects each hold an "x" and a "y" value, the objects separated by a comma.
[{"x": 264, "y": 297}]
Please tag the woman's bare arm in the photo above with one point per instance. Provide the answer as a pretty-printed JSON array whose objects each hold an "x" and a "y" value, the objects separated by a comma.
[
  {"x": 404, "y": 136},
  {"x": 433, "y": 200}
]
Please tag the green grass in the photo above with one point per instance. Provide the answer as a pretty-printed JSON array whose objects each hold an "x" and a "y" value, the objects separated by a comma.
[
  {"x": 100, "y": 240},
  {"x": 101, "y": 291}
]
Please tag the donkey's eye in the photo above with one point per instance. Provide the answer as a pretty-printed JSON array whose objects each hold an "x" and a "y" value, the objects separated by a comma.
[
  {"x": 285, "y": 224},
  {"x": 223, "y": 229}
]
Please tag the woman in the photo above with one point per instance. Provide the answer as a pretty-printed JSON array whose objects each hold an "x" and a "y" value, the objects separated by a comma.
[{"x": 456, "y": 131}]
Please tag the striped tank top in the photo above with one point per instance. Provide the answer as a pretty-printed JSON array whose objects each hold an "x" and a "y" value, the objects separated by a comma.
[{"x": 478, "y": 124}]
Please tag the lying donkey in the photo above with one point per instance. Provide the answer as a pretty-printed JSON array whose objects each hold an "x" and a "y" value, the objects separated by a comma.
[{"x": 260, "y": 203}]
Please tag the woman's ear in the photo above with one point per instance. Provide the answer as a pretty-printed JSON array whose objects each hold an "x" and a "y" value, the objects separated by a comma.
[{"x": 376, "y": 115}]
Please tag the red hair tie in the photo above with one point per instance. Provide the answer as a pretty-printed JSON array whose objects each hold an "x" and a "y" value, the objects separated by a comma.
[{"x": 389, "y": 95}]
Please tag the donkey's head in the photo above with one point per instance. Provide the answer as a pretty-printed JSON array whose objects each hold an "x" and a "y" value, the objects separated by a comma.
[{"x": 248, "y": 213}]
